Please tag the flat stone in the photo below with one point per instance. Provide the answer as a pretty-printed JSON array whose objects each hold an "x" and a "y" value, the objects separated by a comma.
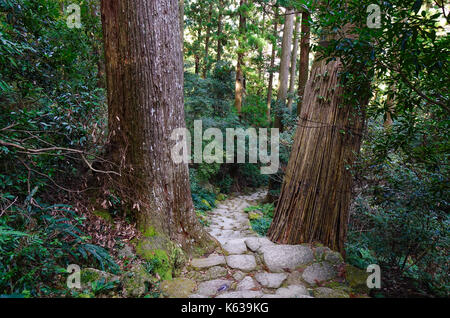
[
  {"x": 293, "y": 291},
  {"x": 211, "y": 287},
  {"x": 178, "y": 287},
  {"x": 280, "y": 257},
  {"x": 213, "y": 260},
  {"x": 319, "y": 272},
  {"x": 324, "y": 292},
  {"x": 246, "y": 284},
  {"x": 242, "y": 294},
  {"x": 270, "y": 280},
  {"x": 216, "y": 272},
  {"x": 235, "y": 247},
  {"x": 255, "y": 243},
  {"x": 245, "y": 263}
]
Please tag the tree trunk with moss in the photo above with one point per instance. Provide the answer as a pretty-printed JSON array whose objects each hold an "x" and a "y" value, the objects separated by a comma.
[
  {"x": 144, "y": 71},
  {"x": 316, "y": 192}
]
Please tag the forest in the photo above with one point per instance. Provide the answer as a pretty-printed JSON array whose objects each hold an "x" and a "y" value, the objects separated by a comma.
[{"x": 224, "y": 149}]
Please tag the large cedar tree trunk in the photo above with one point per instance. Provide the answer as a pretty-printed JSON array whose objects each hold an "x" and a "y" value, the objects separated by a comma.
[
  {"x": 316, "y": 192},
  {"x": 144, "y": 71}
]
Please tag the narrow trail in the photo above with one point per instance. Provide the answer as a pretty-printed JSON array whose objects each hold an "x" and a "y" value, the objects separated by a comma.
[{"x": 250, "y": 266}]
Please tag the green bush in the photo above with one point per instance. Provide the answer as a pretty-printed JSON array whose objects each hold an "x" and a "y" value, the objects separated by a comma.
[
  {"x": 404, "y": 226},
  {"x": 37, "y": 243},
  {"x": 262, "y": 223}
]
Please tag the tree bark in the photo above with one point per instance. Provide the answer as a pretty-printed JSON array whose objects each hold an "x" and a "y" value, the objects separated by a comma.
[
  {"x": 239, "y": 87},
  {"x": 284, "y": 63},
  {"x": 144, "y": 71},
  {"x": 272, "y": 65},
  {"x": 304, "y": 59},
  {"x": 182, "y": 22},
  {"x": 293, "y": 64},
  {"x": 316, "y": 192}
]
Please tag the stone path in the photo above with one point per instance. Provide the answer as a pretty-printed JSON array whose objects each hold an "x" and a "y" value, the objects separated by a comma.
[{"x": 249, "y": 266}]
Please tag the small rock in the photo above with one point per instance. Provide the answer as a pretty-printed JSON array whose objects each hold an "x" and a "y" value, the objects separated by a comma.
[
  {"x": 239, "y": 275},
  {"x": 357, "y": 279},
  {"x": 235, "y": 247},
  {"x": 281, "y": 257},
  {"x": 324, "y": 292},
  {"x": 294, "y": 278},
  {"x": 244, "y": 263},
  {"x": 270, "y": 280},
  {"x": 255, "y": 243},
  {"x": 334, "y": 258},
  {"x": 211, "y": 287},
  {"x": 246, "y": 284},
  {"x": 319, "y": 272},
  {"x": 135, "y": 281},
  {"x": 293, "y": 291},
  {"x": 178, "y": 287},
  {"x": 213, "y": 260},
  {"x": 216, "y": 272}
]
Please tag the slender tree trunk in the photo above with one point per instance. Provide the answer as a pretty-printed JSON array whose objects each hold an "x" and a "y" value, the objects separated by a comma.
[
  {"x": 144, "y": 71},
  {"x": 97, "y": 47},
  {"x": 261, "y": 59},
  {"x": 197, "y": 52},
  {"x": 272, "y": 65},
  {"x": 284, "y": 63},
  {"x": 239, "y": 87},
  {"x": 304, "y": 59},
  {"x": 316, "y": 192},
  {"x": 294, "y": 63},
  {"x": 219, "y": 31},
  {"x": 207, "y": 39},
  {"x": 390, "y": 105}
]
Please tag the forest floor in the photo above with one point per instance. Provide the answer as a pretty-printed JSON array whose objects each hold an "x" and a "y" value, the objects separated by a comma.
[{"x": 250, "y": 266}]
